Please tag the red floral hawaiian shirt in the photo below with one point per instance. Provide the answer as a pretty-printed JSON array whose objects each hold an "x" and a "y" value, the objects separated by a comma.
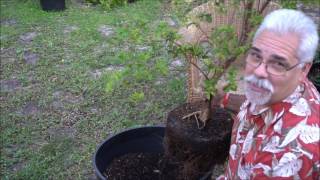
[{"x": 278, "y": 142}]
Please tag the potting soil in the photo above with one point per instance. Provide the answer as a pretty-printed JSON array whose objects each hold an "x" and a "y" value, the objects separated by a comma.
[{"x": 141, "y": 166}]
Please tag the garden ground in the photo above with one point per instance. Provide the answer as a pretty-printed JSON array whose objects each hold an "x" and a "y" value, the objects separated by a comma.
[{"x": 70, "y": 79}]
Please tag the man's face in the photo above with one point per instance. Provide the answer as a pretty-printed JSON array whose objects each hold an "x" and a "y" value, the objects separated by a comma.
[{"x": 263, "y": 87}]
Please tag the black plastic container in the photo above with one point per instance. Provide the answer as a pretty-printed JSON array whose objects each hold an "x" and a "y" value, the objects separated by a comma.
[
  {"x": 53, "y": 5},
  {"x": 142, "y": 139}
]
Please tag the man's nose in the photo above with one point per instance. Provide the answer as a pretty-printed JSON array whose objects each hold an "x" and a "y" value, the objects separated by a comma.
[{"x": 261, "y": 71}]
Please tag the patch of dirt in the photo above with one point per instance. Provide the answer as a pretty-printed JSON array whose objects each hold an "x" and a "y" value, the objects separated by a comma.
[
  {"x": 31, "y": 78},
  {"x": 70, "y": 118},
  {"x": 30, "y": 108},
  {"x": 57, "y": 105},
  {"x": 30, "y": 58},
  {"x": 28, "y": 37},
  {"x": 10, "y": 151},
  {"x": 8, "y": 55},
  {"x": 63, "y": 99},
  {"x": 61, "y": 132},
  {"x": 95, "y": 110},
  {"x": 18, "y": 166},
  {"x": 70, "y": 29},
  {"x": 90, "y": 175},
  {"x": 81, "y": 3},
  {"x": 8, "y": 22},
  {"x": 105, "y": 30},
  {"x": 114, "y": 68},
  {"x": 67, "y": 97},
  {"x": 170, "y": 21},
  {"x": 97, "y": 73},
  {"x": 142, "y": 48},
  {"x": 160, "y": 81},
  {"x": 10, "y": 85},
  {"x": 101, "y": 49},
  {"x": 175, "y": 64}
]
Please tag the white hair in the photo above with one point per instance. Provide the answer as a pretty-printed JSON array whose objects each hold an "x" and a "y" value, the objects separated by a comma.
[{"x": 288, "y": 20}]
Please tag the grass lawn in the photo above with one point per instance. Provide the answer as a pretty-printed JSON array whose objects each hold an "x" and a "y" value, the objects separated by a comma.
[{"x": 70, "y": 79}]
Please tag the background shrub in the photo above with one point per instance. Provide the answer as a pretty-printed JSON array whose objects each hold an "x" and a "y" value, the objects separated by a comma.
[{"x": 109, "y": 4}]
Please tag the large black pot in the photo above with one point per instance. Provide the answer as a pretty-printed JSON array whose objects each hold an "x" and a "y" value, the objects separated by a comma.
[
  {"x": 142, "y": 139},
  {"x": 53, "y": 5}
]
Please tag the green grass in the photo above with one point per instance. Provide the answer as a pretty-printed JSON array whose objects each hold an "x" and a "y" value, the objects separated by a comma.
[{"x": 58, "y": 141}]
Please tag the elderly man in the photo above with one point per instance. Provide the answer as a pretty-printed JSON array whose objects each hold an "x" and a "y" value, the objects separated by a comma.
[{"x": 276, "y": 132}]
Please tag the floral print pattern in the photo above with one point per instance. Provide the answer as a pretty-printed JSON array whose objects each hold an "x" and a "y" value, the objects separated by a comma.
[{"x": 278, "y": 142}]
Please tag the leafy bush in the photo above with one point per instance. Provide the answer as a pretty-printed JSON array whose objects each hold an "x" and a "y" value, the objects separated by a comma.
[
  {"x": 93, "y": 1},
  {"x": 109, "y": 4}
]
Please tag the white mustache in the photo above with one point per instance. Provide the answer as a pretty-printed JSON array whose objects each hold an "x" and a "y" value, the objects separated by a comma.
[{"x": 262, "y": 83}]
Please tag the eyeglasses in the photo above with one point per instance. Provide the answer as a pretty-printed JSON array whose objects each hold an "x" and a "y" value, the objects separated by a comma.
[{"x": 274, "y": 67}]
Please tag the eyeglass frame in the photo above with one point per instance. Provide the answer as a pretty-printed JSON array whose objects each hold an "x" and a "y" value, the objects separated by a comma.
[{"x": 286, "y": 69}]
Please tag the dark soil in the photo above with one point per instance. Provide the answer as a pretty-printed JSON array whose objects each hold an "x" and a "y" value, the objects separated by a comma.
[
  {"x": 142, "y": 166},
  {"x": 216, "y": 127},
  {"x": 197, "y": 150}
]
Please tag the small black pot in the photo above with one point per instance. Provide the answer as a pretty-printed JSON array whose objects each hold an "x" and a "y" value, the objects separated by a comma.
[
  {"x": 142, "y": 139},
  {"x": 53, "y": 5}
]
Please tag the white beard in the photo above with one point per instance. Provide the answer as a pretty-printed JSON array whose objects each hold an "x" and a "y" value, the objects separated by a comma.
[{"x": 255, "y": 97}]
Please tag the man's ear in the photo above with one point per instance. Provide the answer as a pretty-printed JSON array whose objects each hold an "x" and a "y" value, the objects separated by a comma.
[{"x": 305, "y": 69}]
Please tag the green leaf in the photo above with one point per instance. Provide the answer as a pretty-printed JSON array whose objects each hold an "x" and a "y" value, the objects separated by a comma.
[
  {"x": 232, "y": 80},
  {"x": 136, "y": 97},
  {"x": 114, "y": 79}
]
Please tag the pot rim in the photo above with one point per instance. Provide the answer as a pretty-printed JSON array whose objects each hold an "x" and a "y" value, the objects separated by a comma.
[{"x": 97, "y": 172}]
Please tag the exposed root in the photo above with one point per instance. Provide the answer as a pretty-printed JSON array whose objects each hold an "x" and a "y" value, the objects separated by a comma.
[
  {"x": 200, "y": 116},
  {"x": 191, "y": 114}
]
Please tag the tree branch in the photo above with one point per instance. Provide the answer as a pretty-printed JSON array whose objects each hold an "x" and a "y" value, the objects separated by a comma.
[
  {"x": 195, "y": 65},
  {"x": 246, "y": 25},
  {"x": 264, "y": 6}
]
